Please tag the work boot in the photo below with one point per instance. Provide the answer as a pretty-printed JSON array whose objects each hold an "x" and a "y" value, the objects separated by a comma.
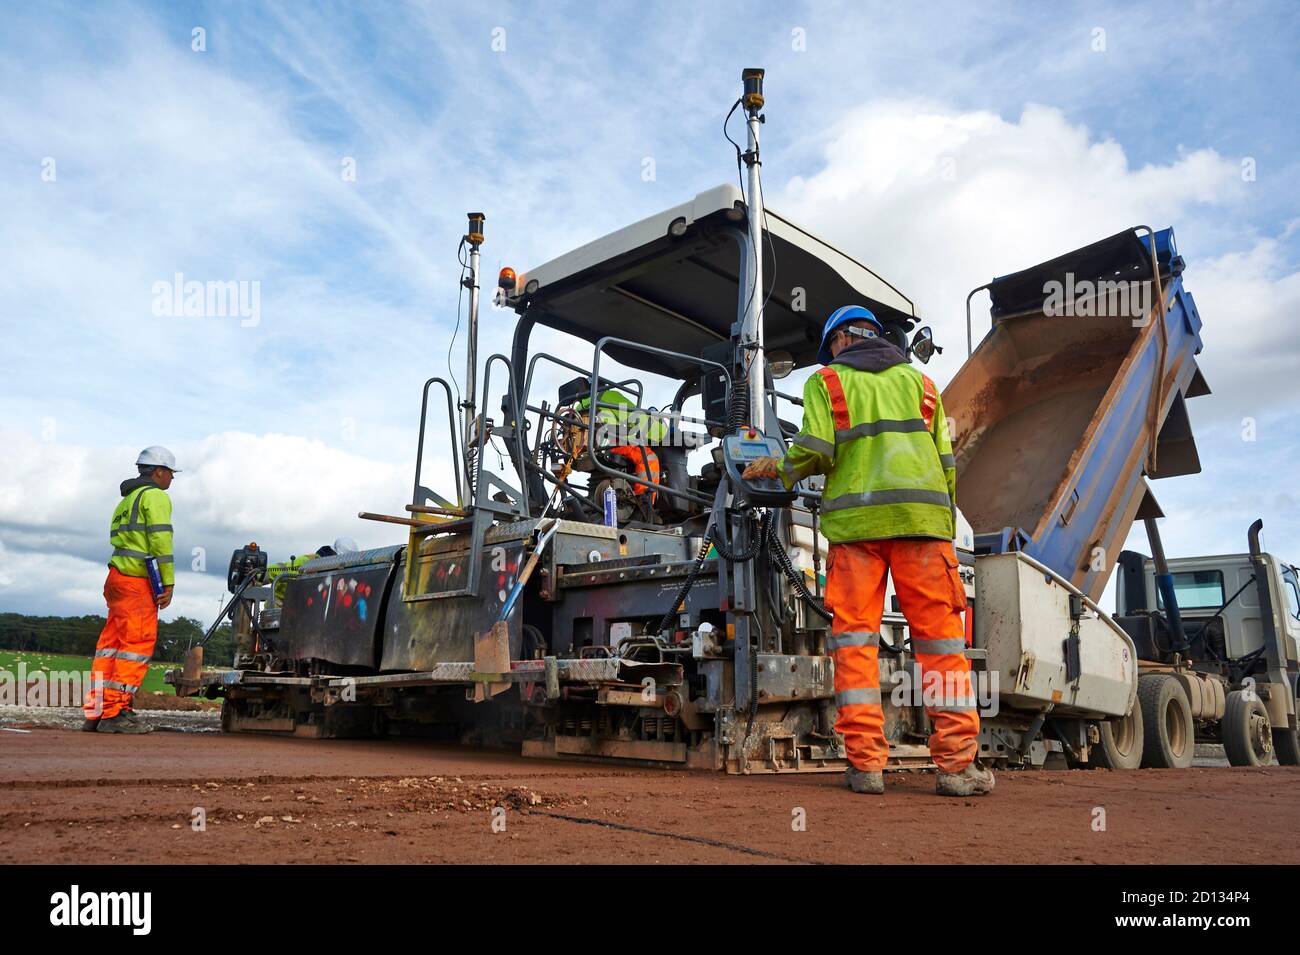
[
  {"x": 90, "y": 725},
  {"x": 974, "y": 780},
  {"x": 865, "y": 781},
  {"x": 122, "y": 723}
]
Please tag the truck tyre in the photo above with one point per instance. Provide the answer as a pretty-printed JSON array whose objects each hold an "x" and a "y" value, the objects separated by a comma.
[
  {"x": 1286, "y": 741},
  {"x": 1286, "y": 744},
  {"x": 1120, "y": 743},
  {"x": 1247, "y": 733},
  {"x": 1169, "y": 738}
]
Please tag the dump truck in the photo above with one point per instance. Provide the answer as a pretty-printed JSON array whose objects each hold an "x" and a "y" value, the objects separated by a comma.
[{"x": 614, "y": 589}]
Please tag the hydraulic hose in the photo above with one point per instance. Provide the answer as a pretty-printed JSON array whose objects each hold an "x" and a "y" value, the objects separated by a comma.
[
  {"x": 750, "y": 552},
  {"x": 777, "y": 553},
  {"x": 779, "y": 556},
  {"x": 711, "y": 539},
  {"x": 667, "y": 619},
  {"x": 767, "y": 541}
]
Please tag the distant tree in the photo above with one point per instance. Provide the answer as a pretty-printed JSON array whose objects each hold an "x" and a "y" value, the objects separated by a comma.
[{"x": 77, "y": 636}]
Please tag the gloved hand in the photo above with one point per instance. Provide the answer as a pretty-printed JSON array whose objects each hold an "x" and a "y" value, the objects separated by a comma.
[
  {"x": 165, "y": 598},
  {"x": 761, "y": 468}
]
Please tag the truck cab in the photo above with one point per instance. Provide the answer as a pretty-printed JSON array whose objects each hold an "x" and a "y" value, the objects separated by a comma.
[
  {"x": 1231, "y": 635},
  {"x": 1218, "y": 627}
]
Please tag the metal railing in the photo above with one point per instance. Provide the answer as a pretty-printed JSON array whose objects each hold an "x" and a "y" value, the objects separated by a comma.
[
  {"x": 595, "y": 404},
  {"x": 417, "y": 498}
]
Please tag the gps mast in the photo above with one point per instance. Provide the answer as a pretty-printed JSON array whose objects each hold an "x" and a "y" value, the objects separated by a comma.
[{"x": 751, "y": 339}]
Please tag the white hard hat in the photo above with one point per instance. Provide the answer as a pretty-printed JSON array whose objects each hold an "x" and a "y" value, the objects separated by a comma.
[
  {"x": 345, "y": 545},
  {"x": 157, "y": 456}
]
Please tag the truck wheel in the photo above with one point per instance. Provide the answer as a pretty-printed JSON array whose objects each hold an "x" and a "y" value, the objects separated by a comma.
[
  {"x": 1169, "y": 739},
  {"x": 1120, "y": 744},
  {"x": 1247, "y": 733},
  {"x": 1287, "y": 742}
]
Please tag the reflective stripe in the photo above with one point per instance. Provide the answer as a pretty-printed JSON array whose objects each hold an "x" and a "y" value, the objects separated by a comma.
[
  {"x": 939, "y": 646},
  {"x": 123, "y": 655},
  {"x": 864, "y": 697},
  {"x": 869, "y": 429},
  {"x": 839, "y": 406},
  {"x": 124, "y": 687},
  {"x": 147, "y": 528},
  {"x": 853, "y": 638},
  {"x": 141, "y": 555},
  {"x": 133, "y": 523},
  {"x": 929, "y": 401},
  {"x": 948, "y": 461},
  {"x": 901, "y": 495},
  {"x": 810, "y": 442}
]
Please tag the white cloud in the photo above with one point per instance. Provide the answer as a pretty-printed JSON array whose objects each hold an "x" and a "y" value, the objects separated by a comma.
[
  {"x": 940, "y": 201},
  {"x": 291, "y": 494},
  {"x": 1249, "y": 301}
]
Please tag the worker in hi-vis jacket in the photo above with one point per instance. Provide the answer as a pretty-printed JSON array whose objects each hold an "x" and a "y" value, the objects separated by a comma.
[
  {"x": 874, "y": 425},
  {"x": 141, "y": 531}
]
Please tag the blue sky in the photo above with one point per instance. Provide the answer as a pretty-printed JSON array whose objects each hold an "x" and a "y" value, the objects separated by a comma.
[{"x": 1065, "y": 123}]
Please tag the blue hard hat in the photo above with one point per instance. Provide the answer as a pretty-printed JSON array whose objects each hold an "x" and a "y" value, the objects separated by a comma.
[{"x": 841, "y": 316}]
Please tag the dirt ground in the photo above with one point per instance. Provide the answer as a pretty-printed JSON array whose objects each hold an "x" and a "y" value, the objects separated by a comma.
[{"x": 81, "y": 797}]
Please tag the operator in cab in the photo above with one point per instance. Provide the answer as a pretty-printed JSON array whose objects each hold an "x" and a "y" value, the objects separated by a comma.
[
  {"x": 874, "y": 425},
  {"x": 279, "y": 574}
]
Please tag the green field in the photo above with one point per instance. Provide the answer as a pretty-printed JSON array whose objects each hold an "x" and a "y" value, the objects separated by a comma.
[{"x": 36, "y": 660}]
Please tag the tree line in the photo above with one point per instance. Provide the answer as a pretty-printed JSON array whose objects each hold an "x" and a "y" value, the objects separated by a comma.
[{"x": 77, "y": 636}]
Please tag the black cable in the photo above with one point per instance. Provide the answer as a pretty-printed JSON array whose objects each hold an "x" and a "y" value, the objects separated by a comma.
[
  {"x": 750, "y": 552},
  {"x": 771, "y": 287},
  {"x": 740, "y": 153},
  {"x": 460, "y": 302},
  {"x": 684, "y": 590},
  {"x": 740, "y": 177},
  {"x": 776, "y": 551},
  {"x": 711, "y": 538}
]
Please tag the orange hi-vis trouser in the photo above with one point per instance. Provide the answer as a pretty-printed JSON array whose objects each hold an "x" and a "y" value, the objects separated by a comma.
[
  {"x": 932, "y": 598},
  {"x": 125, "y": 645},
  {"x": 646, "y": 463}
]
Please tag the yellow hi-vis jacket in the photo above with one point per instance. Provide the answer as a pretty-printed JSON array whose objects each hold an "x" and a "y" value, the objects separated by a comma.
[
  {"x": 881, "y": 439},
  {"x": 275, "y": 571},
  {"x": 142, "y": 527}
]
